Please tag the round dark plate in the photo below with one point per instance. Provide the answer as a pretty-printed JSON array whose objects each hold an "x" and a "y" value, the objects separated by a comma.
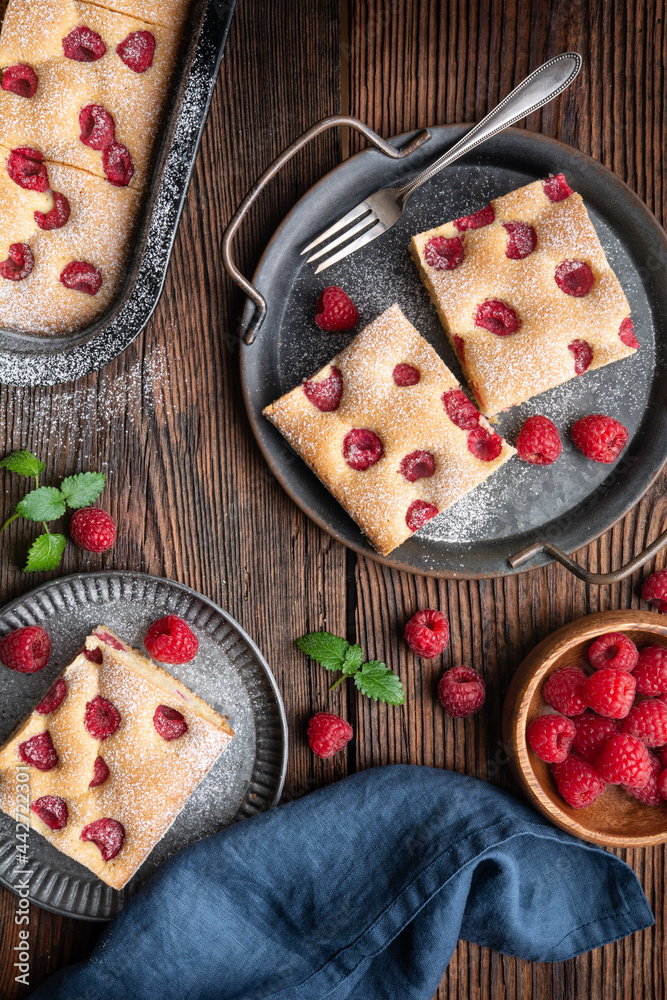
[
  {"x": 568, "y": 504},
  {"x": 229, "y": 672}
]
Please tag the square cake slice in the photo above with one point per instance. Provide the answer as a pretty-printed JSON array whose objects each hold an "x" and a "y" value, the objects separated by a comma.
[
  {"x": 113, "y": 752},
  {"x": 525, "y": 293},
  {"x": 389, "y": 432}
]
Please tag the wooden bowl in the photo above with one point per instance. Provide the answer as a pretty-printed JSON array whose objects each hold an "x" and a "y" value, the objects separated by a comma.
[{"x": 615, "y": 819}]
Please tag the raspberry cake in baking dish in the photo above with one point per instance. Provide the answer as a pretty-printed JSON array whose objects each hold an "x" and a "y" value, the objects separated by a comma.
[
  {"x": 389, "y": 432},
  {"x": 114, "y": 750},
  {"x": 525, "y": 293}
]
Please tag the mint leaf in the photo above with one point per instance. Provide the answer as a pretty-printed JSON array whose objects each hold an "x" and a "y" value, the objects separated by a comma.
[
  {"x": 353, "y": 659},
  {"x": 45, "y": 553},
  {"x": 326, "y": 648},
  {"x": 376, "y": 681},
  {"x": 24, "y": 463},
  {"x": 43, "y": 504},
  {"x": 82, "y": 490}
]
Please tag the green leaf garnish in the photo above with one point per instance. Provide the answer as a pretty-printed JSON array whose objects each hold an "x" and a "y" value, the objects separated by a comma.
[
  {"x": 354, "y": 657},
  {"x": 24, "y": 463},
  {"x": 326, "y": 648},
  {"x": 83, "y": 489},
  {"x": 373, "y": 679},
  {"x": 43, "y": 504},
  {"x": 376, "y": 681},
  {"x": 45, "y": 553}
]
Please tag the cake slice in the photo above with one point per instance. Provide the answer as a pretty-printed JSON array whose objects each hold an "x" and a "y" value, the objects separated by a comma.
[
  {"x": 113, "y": 751},
  {"x": 389, "y": 432},
  {"x": 525, "y": 293},
  {"x": 170, "y": 13}
]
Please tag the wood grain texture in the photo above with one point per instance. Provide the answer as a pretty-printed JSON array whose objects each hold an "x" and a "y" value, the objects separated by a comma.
[{"x": 193, "y": 498}]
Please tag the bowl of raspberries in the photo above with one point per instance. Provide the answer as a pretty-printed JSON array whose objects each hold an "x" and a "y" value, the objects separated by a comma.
[{"x": 585, "y": 726}]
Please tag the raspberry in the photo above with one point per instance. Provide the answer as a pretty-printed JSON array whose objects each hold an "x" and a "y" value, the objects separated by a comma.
[
  {"x": 578, "y": 782},
  {"x": 574, "y": 277},
  {"x": 108, "y": 834},
  {"x": 583, "y": 355},
  {"x": 626, "y": 333},
  {"x": 610, "y": 692},
  {"x": 169, "y": 723},
  {"x": 522, "y": 240},
  {"x": 662, "y": 783},
  {"x": 26, "y": 649},
  {"x": 624, "y": 760},
  {"x": 444, "y": 254},
  {"x": 599, "y": 437},
  {"x": 460, "y": 410},
  {"x": 100, "y": 772},
  {"x": 20, "y": 79},
  {"x": 613, "y": 649},
  {"x": 335, "y": 310},
  {"x": 556, "y": 188},
  {"x": 325, "y": 395},
  {"x": 57, "y": 217},
  {"x": 83, "y": 45},
  {"x": 171, "y": 640},
  {"x": 459, "y": 344},
  {"x": 483, "y": 444},
  {"x": 26, "y": 168},
  {"x": 538, "y": 441},
  {"x": 53, "y": 698},
  {"x": 461, "y": 691},
  {"x": 92, "y": 529},
  {"x": 649, "y": 794},
  {"x": 651, "y": 671},
  {"x": 406, "y": 375},
  {"x": 109, "y": 639},
  {"x": 81, "y": 277},
  {"x": 19, "y": 264},
  {"x": 327, "y": 734},
  {"x": 648, "y": 722},
  {"x": 654, "y": 590},
  {"x": 498, "y": 317},
  {"x": 427, "y": 633},
  {"x": 52, "y": 810},
  {"x": 39, "y": 751},
  {"x": 117, "y": 164},
  {"x": 94, "y": 655},
  {"x": 101, "y": 718},
  {"x": 98, "y": 128},
  {"x": 137, "y": 50},
  {"x": 563, "y": 690},
  {"x": 362, "y": 448},
  {"x": 484, "y": 217},
  {"x": 551, "y": 737},
  {"x": 417, "y": 465},
  {"x": 419, "y": 512},
  {"x": 592, "y": 733}
]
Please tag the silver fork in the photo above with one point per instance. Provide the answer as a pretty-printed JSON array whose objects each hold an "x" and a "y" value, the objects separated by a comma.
[{"x": 378, "y": 213}]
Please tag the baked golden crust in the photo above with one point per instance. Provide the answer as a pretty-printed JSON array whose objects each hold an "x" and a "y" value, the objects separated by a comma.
[
  {"x": 170, "y": 13},
  {"x": 506, "y": 370},
  {"x": 150, "y": 778},
  {"x": 407, "y": 419}
]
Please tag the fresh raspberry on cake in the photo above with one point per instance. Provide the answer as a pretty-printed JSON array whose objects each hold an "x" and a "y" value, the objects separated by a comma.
[
  {"x": 461, "y": 691},
  {"x": 610, "y": 692},
  {"x": 57, "y": 217},
  {"x": 53, "y": 698},
  {"x": 626, "y": 333},
  {"x": 648, "y": 722},
  {"x": 551, "y": 736},
  {"x": 498, "y": 317},
  {"x": 81, "y": 276},
  {"x": 326, "y": 394},
  {"x": 483, "y": 444},
  {"x": 335, "y": 310},
  {"x": 444, "y": 254},
  {"x": 556, "y": 188},
  {"x": 102, "y": 718},
  {"x": 613, "y": 649},
  {"x": 328, "y": 734},
  {"x": 599, "y": 437},
  {"x": 522, "y": 240},
  {"x": 418, "y": 513},
  {"x": 593, "y": 731},
  {"x": 52, "y": 810},
  {"x": 39, "y": 752},
  {"x": 137, "y": 50},
  {"x": 460, "y": 410},
  {"x": 574, "y": 277},
  {"x": 651, "y": 671},
  {"x": 100, "y": 772},
  {"x": 583, "y": 355},
  {"x": 579, "y": 782},
  {"x": 427, "y": 633},
  {"x": 108, "y": 834},
  {"x": 417, "y": 465},
  {"x": 26, "y": 649},
  {"x": 83, "y": 44},
  {"x": 171, "y": 640},
  {"x": 362, "y": 448},
  {"x": 538, "y": 441},
  {"x": 20, "y": 79},
  {"x": 404, "y": 375},
  {"x": 484, "y": 217},
  {"x": 118, "y": 165},
  {"x": 169, "y": 723},
  {"x": 624, "y": 760},
  {"x": 98, "y": 128},
  {"x": 563, "y": 690},
  {"x": 93, "y": 529},
  {"x": 26, "y": 168},
  {"x": 649, "y": 794},
  {"x": 654, "y": 590},
  {"x": 19, "y": 264}
]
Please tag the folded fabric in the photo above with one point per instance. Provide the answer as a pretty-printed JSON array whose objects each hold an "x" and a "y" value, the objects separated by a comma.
[{"x": 359, "y": 890}]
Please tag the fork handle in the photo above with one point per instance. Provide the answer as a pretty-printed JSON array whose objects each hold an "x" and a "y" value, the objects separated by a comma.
[{"x": 545, "y": 83}]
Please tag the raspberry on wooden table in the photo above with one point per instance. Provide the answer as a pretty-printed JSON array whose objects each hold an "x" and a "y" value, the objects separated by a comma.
[
  {"x": 461, "y": 691},
  {"x": 654, "y": 590},
  {"x": 427, "y": 633},
  {"x": 579, "y": 782},
  {"x": 624, "y": 760},
  {"x": 26, "y": 649},
  {"x": 551, "y": 736},
  {"x": 335, "y": 310},
  {"x": 649, "y": 794},
  {"x": 563, "y": 690},
  {"x": 93, "y": 529},
  {"x": 651, "y": 671},
  {"x": 613, "y": 649},
  {"x": 328, "y": 734},
  {"x": 648, "y": 722},
  {"x": 593, "y": 731},
  {"x": 108, "y": 834},
  {"x": 599, "y": 437},
  {"x": 52, "y": 810},
  {"x": 610, "y": 692},
  {"x": 538, "y": 441},
  {"x": 171, "y": 640}
]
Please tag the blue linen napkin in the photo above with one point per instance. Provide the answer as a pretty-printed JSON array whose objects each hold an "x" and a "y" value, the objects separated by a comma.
[{"x": 359, "y": 890}]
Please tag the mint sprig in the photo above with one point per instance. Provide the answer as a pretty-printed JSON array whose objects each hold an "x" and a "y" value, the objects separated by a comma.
[
  {"x": 373, "y": 678},
  {"x": 48, "y": 503}
]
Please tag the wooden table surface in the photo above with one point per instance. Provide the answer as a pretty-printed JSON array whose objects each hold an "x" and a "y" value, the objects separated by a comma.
[{"x": 188, "y": 486}]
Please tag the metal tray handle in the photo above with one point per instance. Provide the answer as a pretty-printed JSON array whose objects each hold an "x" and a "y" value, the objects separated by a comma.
[
  {"x": 595, "y": 579},
  {"x": 250, "y": 330}
]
